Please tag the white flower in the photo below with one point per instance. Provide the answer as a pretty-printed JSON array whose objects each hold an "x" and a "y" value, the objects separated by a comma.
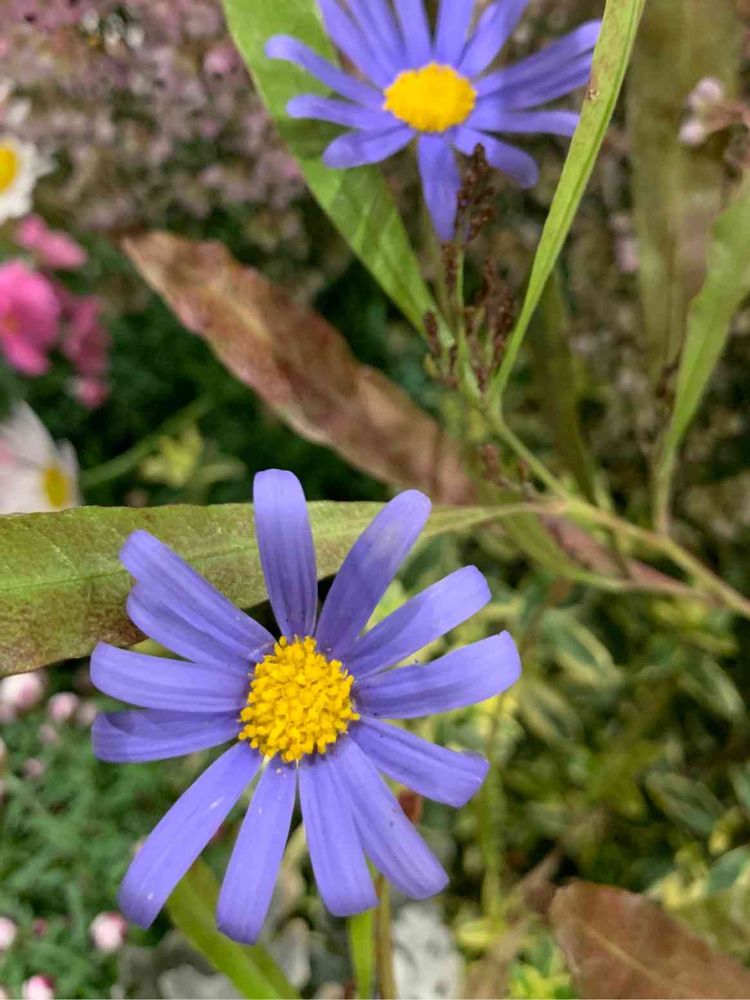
[
  {"x": 108, "y": 931},
  {"x": 21, "y": 165},
  {"x": 20, "y": 692},
  {"x": 35, "y": 473}
]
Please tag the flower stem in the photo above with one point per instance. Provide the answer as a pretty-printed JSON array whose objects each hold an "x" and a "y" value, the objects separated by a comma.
[{"x": 384, "y": 942}]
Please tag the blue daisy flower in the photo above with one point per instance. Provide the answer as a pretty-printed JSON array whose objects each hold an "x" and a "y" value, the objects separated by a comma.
[
  {"x": 437, "y": 88},
  {"x": 304, "y": 711}
]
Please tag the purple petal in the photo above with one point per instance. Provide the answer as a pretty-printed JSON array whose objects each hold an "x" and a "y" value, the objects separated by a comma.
[
  {"x": 376, "y": 21},
  {"x": 183, "y": 832},
  {"x": 389, "y": 838},
  {"x": 151, "y": 734},
  {"x": 454, "y": 18},
  {"x": 463, "y": 677},
  {"x": 285, "y": 47},
  {"x": 183, "y": 590},
  {"x": 424, "y": 618},
  {"x": 512, "y": 161},
  {"x": 432, "y": 771},
  {"x": 530, "y": 95},
  {"x": 487, "y": 115},
  {"x": 563, "y": 54},
  {"x": 440, "y": 182},
  {"x": 371, "y": 564},
  {"x": 287, "y": 553},
  {"x": 174, "y": 633},
  {"x": 336, "y": 853},
  {"x": 251, "y": 874},
  {"x": 156, "y": 682},
  {"x": 415, "y": 30},
  {"x": 347, "y": 37},
  {"x": 355, "y": 149},
  {"x": 495, "y": 27},
  {"x": 328, "y": 109}
]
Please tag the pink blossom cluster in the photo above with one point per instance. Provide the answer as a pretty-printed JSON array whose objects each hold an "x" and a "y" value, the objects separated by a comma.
[
  {"x": 38, "y": 314},
  {"x": 149, "y": 112}
]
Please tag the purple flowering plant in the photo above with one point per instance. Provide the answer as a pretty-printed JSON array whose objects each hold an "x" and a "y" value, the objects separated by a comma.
[
  {"x": 304, "y": 710},
  {"x": 438, "y": 87}
]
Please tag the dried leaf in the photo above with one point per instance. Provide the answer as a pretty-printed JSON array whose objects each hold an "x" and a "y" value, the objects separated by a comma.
[
  {"x": 301, "y": 366},
  {"x": 620, "y": 944}
]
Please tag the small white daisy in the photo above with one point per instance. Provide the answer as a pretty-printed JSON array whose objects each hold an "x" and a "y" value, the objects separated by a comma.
[
  {"x": 21, "y": 165},
  {"x": 35, "y": 473}
]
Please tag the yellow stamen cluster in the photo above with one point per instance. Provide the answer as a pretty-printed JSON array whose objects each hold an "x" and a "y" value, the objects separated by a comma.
[
  {"x": 431, "y": 99},
  {"x": 9, "y": 166},
  {"x": 299, "y": 702},
  {"x": 56, "y": 486}
]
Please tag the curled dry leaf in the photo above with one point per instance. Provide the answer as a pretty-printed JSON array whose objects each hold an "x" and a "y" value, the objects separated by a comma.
[
  {"x": 300, "y": 366},
  {"x": 620, "y": 944}
]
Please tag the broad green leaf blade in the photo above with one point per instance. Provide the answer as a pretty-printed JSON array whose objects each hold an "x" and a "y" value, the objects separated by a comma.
[
  {"x": 192, "y": 907},
  {"x": 62, "y": 588},
  {"x": 357, "y": 201},
  {"x": 611, "y": 58},
  {"x": 301, "y": 366},
  {"x": 619, "y": 944},
  {"x": 361, "y": 933},
  {"x": 677, "y": 191}
]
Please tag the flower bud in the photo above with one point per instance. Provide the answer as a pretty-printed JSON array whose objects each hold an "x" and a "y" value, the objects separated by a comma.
[
  {"x": 38, "y": 988},
  {"x": 108, "y": 931},
  {"x": 8, "y": 932},
  {"x": 62, "y": 706},
  {"x": 22, "y": 691}
]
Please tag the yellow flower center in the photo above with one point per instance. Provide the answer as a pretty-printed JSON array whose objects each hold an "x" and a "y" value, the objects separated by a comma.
[
  {"x": 299, "y": 702},
  {"x": 431, "y": 99},
  {"x": 56, "y": 486},
  {"x": 9, "y": 165}
]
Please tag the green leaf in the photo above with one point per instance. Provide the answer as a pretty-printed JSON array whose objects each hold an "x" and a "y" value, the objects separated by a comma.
[
  {"x": 582, "y": 656},
  {"x": 62, "y": 588},
  {"x": 727, "y": 284},
  {"x": 711, "y": 686},
  {"x": 357, "y": 201},
  {"x": 687, "y": 802},
  {"x": 611, "y": 58},
  {"x": 361, "y": 932},
  {"x": 677, "y": 191},
  {"x": 192, "y": 907}
]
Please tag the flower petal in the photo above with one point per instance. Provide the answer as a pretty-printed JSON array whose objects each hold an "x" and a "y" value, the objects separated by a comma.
[
  {"x": 537, "y": 90},
  {"x": 251, "y": 874},
  {"x": 424, "y": 618},
  {"x": 328, "y": 109},
  {"x": 156, "y": 682},
  {"x": 371, "y": 564},
  {"x": 440, "y": 182},
  {"x": 286, "y": 47},
  {"x": 355, "y": 149},
  {"x": 453, "y": 20},
  {"x": 463, "y": 677},
  {"x": 495, "y": 27},
  {"x": 183, "y": 832},
  {"x": 336, "y": 852},
  {"x": 153, "y": 734},
  {"x": 182, "y": 589},
  {"x": 558, "y": 56},
  {"x": 432, "y": 771},
  {"x": 487, "y": 115},
  {"x": 415, "y": 29},
  {"x": 287, "y": 553},
  {"x": 376, "y": 21},
  {"x": 347, "y": 37},
  {"x": 388, "y": 837},
  {"x": 178, "y": 635},
  {"x": 512, "y": 161}
]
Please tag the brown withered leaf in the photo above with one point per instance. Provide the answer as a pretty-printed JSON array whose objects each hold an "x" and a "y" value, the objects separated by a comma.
[
  {"x": 620, "y": 944},
  {"x": 300, "y": 366}
]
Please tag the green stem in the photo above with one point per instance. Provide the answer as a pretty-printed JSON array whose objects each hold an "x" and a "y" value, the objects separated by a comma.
[
  {"x": 384, "y": 942},
  {"x": 132, "y": 458}
]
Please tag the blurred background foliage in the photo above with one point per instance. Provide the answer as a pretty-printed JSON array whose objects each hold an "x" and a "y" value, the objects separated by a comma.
[{"x": 623, "y": 755}]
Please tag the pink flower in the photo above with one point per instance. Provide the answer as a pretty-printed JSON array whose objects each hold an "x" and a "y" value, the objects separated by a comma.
[
  {"x": 20, "y": 692},
  {"x": 62, "y": 706},
  {"x": 90, "y": 392},
  {"x": 38, "y": 988},
  {"x": 8, "y": 932},
  {"x": 108, "y": 931},
  {"x": 52, "y": 248},
  {"x": 86, "y": 342},
  {"x": 29, "y": 317}
]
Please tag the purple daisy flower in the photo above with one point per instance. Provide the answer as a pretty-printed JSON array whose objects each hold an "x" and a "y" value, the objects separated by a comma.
[
  {"x": 303, "y": 711},
  {"x": 435, "y": 87}
]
